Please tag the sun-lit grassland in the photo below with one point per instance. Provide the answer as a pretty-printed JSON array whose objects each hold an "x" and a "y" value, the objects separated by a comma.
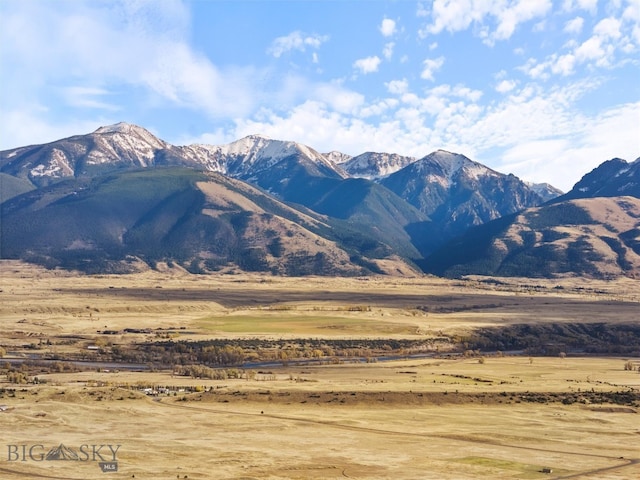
[
  {"x": 295, "y": 322},
  {"x": 39, "y": 302},
  {"x": 337, "y": 421},
  {"x": 479, "y": 416}
]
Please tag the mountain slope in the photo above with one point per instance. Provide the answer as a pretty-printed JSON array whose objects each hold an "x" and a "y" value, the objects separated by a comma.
[
  {"x": 201, "y": 221},
  {"x": 598, "y": 237},
  {"x": 124, "y": 146},
  {"x": 120, "y": 146},
  {"x": 376, "y": 212},
  {"x": 546, "y": 191},
  {"x": 372, "y": 166},
  {"x": 612, "y": 178},
  {"x": 457, "y": 193},
  {"x": 13, "y": 186},
  {"x": 372, "y": 206}
]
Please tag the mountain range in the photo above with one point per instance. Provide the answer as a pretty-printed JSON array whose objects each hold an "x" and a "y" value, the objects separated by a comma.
[{"x": 120, "y": 199}]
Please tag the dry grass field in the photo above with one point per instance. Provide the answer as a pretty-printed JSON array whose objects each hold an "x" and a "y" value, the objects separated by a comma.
[{"x": 438, "y": 416}]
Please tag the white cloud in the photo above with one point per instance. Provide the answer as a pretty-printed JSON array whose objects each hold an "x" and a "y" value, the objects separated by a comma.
[
  {"x": 540, "y": 26},
  {"x": 589, "y": 5},
  {"x": 387, "y": 52},
  {"x": 295, "y": 41},
  {"x": 336, "y": 98},
  {"x": 88, "y": 97},
  {"x": 398, "y": 87},
  {"x": 422, "y": 10},
  {"x": 467, "y": 93},
  {"x": 520, "y": 12},
  {"x": 505, "y": 86},
  {"x": 535, "y": 133},
  {"x": 388, "y": 27},
  {"x": 379, "y": 108},
  {"x": 536, "y": 130},
  {"x": 632, "y": 12},
  {"x": 591, "y": 49},
  {"x": 535, "y": 69},
  {"x": 574, "y": 26},
  {"x": 136, "y": 44},
  {"x": 430, "y": 66},
  {"x": 562, "y": 161},
  {"x": 368, "y": 64},
  {"x": 608, "y": 27},
  {"x": 454, "y": 16},
  {"x": 564, "y": 65},
  {"x": 28, "y": 125},
  {"x": 611, "y": 37},
  {"x": 496, "y": 20}
]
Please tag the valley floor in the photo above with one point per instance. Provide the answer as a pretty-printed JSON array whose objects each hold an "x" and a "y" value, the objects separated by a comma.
[
  {"x": 447, "y": 416},
  {"x": 506, "y": 418}
]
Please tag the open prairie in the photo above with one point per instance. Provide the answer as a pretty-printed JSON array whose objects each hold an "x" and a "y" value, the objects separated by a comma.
[{"x": 373, "y": 377}]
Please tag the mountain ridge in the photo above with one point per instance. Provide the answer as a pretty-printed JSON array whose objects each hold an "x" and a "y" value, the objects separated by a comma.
[
  {"x": 381, "y": 212},
  {"x": 592, "y": 230},
  {"x": 202, "y": 221},
  {"x": 251, "y": 149},
  {"x": 451, "y": 191}
]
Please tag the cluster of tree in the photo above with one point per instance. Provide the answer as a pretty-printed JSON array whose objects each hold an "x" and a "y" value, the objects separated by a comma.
[
  {"x": 19, "y": 378},
  {"x": 202, "y": 371},
  {"x": 235, "y": 352},
  {"x": 551, "y": 339}
]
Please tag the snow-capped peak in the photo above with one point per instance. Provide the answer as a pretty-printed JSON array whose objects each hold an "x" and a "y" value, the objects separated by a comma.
[
  {"x": 337, "y": 157},
  {"x": 545, "y": 190},
  {"x": 445, "y": 167},
  {"x": 373, "y": 165},
  {"x": 129, "y": 130},
  {"x": 259, "y": 148},
  {"x": 120, "y": 127},
  {"x": 251, "y": 154},
  {"x": 446, "y": 163}
]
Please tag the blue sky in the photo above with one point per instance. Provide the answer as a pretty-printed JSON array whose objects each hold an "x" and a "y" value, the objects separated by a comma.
[{"x": 543, "y": 89}]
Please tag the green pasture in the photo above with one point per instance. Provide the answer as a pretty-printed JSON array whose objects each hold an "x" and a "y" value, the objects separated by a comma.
[{"x": 300, "y": 324}]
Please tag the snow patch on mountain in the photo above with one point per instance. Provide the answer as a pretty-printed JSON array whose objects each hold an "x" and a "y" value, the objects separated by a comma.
[
  {"x": 545, "y": 190},
  {"x": 56, "y": 167},
  {"x": 374, "y": 166},
  {"x": 337, "y": 158},
  {"x": 132, "y": 135},
  {"x": 252, "y": 153},
  {"x": 255, "y": 148},
  {"x": 444, "y": 167},
  {"x": 476, "y": 171}
]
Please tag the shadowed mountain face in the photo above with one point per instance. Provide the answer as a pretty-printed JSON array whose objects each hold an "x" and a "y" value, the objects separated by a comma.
[
  {"x": 372, "y": 165},
  {"x": 119, "y": 198},
  {"x": 545, "y": 191},
  {"x": 597, "y": 237},
  {"x": 199, "y": 221},
  {"x": 457, "y": 193},
  {"x": 612, "y": 178}
]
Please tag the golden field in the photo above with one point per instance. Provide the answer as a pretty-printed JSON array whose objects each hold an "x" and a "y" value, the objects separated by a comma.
[{"x": 441, "y": 416}]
